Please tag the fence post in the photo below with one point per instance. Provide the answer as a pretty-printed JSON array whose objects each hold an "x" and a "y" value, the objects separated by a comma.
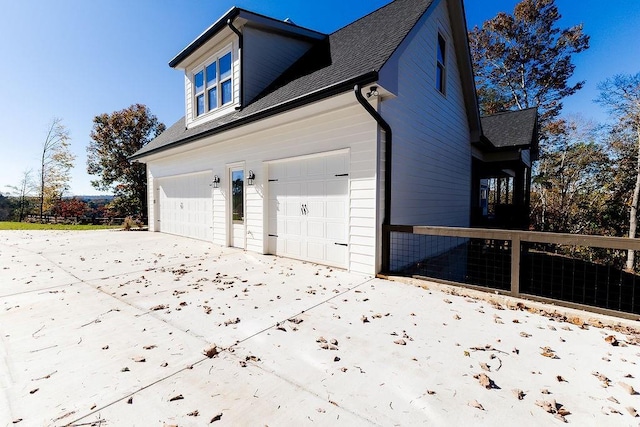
[{"x": 515, "y": 265}]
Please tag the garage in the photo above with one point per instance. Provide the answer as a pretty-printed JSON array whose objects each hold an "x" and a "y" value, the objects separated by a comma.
[
  {"x": 185, "y": 205},
  {"x": 309, "y": 209}
]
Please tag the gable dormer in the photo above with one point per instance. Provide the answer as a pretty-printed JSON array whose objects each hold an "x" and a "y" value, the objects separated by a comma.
[{"x": 235, "y": 60}]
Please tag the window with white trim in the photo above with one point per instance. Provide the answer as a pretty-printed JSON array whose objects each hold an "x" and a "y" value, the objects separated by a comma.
[
  {"x": 213, "y": 85},
  {"x": 441, "y": 71}
]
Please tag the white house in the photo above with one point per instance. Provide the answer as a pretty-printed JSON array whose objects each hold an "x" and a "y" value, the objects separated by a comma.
[{"x": 302, "y": 144}]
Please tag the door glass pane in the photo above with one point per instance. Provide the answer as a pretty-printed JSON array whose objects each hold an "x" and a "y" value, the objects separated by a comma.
[
  {"x": 225, "y": 66},
  {"x": 237, "y": 196}
]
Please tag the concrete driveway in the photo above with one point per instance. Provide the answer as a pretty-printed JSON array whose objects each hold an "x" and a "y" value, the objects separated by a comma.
[{"x": 110, "y": 328}]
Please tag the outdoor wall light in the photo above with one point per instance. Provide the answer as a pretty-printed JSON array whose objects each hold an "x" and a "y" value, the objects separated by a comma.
[
  {"x": 216, "y": 181},
  {"x": 373, "y": 91},
  {"x": 251, "y": 177}
]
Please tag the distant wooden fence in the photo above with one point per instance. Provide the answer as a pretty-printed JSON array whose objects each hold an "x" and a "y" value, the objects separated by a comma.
[{"x": 51, "y": 219}]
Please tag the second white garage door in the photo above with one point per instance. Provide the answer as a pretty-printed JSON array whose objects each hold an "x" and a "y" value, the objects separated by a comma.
[
  {"x": 186, "y": 206},
  {"x": 308, "y": 209}
]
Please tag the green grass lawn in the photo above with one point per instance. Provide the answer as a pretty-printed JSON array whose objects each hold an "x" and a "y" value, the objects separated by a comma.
[{"x": 6, "y": 225}]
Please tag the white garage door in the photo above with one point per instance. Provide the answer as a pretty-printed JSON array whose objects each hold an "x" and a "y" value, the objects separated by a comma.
[
  {"x": 308, "y": 209},
  {"x": 186, "y": 206}
]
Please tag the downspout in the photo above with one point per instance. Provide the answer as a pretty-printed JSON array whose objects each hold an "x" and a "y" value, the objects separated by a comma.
[
  {"x": 386, "y": 220},
  {"x": 240, "y": 44}
]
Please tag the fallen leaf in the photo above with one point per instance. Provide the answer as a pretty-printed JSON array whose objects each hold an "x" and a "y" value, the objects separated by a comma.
[
  {"x": 158, "y": 307},
  {"x": 364, "y": 319},
  {"x": 216, "y": 418},
  {"x": 476, "y": 404},
  {"x": 560, "y": 417},
  {"x": 545, "y": 391},
  {"x": 627, "y": 387},
  {"x": 431, "y": 392},
  {"x": 612, "y": 399},
  {"x": 632, "y": 411},
  {"x": 296, "y": 320},
  {"x": 334, "y": 341},
  {"x": 125, "y": 369},
  {"x": 178, "y": 397},
  {"x": 400, "y": 342},
  {"x": 611, "y": 340},
  {"x": 525, "y": 335},
  {"x": 34, "y": 390},
  {"x": 139, "y": 359},
  {"x": 518, "y": 393},
  {"x": 211, "y": 352},
  {"x": 485, "y": 381},
  {"x": 130, "y": 400},
  {"x": 485, "y": 367},
  {"x": 149, "y": 347},
  {"x": 561, "y": 379},
  {"x": 193, "y": 413},
  {"x": 447, "y": 301}
]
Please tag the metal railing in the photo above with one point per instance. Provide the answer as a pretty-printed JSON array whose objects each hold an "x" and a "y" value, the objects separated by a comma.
[{"x": 574, "y": 270}]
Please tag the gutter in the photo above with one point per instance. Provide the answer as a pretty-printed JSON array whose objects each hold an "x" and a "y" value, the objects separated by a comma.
[
  {"x": 240, "y": 46},
  {"x": 301, "y": 101},
  {"x": 386, "y": 221}
]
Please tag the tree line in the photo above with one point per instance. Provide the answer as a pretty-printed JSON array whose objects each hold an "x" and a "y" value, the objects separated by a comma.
[
  {"x": 587, "y": 180},
  {"x": 113, "y": 139}
]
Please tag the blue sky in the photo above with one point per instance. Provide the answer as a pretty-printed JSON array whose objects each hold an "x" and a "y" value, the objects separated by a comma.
[{"x": 75, "y": 59}]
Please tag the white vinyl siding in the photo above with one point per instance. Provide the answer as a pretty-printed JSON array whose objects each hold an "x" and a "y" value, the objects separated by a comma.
[
  {"x": 431, "y": 172},
  {"x": 266, "y": 56},
  {"x": 350, "y": 128}
]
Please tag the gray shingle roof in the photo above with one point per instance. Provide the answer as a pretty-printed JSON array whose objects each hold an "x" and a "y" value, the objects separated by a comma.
[
  {"x": 353, "y": 54},
  {"x": 511, "y": 129}
]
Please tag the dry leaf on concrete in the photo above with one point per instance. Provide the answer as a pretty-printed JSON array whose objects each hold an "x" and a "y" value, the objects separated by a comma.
[
  {"x": 178, "y": 397},
  {"x": 611, "y": 340},
  {"x": 518, "y": 393},
  {"x": 400, "y": 342},
  {"x": 216, "y": 418},
  {"x": 627, "y": 387},
  {"x": 632, "y": 411},
  {"x": 485, "y": 367},
  {"x": 211, "y": 352},
  {"x": 485, "y": 381},
  {"x": 476, "y": 404}
]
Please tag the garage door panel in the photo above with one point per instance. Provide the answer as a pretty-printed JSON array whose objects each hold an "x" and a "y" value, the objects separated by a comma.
[
  {"x": 312, "y": 213},
  {"x": 336, "y": 232},
  {"x": 336, "y": 209},
  {"x": 316, "y": 251},
  {"x": 186, "y": 206},
  {"x": 337, "y": 187}
]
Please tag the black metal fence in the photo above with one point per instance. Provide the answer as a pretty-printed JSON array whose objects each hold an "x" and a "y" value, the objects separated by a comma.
[{"x": 575, "y": 269}]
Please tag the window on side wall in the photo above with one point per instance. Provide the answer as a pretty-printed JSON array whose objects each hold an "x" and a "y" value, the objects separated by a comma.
[
  {"x": 212, "y": 84},
  {"x": 441, "y": 70}
]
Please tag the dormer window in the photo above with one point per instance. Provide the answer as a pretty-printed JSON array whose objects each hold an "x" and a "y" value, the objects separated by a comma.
[{"x": 212, "y": 84}]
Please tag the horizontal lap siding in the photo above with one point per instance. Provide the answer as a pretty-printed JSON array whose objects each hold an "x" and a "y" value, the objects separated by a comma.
[
  {"x": 266, "y": 56},
  {"x": 348, "y": 127},
  {"x": 431, "y": 174}
]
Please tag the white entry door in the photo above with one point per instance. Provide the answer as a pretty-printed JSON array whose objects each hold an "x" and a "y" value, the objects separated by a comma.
[
  {"x": 237, "y": 211},
  {"x": 185, "y": 205},
  {"x": 308, "y": 209}
]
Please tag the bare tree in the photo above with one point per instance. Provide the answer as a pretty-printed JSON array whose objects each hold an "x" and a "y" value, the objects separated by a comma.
[
  {"x": 56, "y": 162},
  {"x": 22, "y": 192},
  {"x": 620, "y": 95}
]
